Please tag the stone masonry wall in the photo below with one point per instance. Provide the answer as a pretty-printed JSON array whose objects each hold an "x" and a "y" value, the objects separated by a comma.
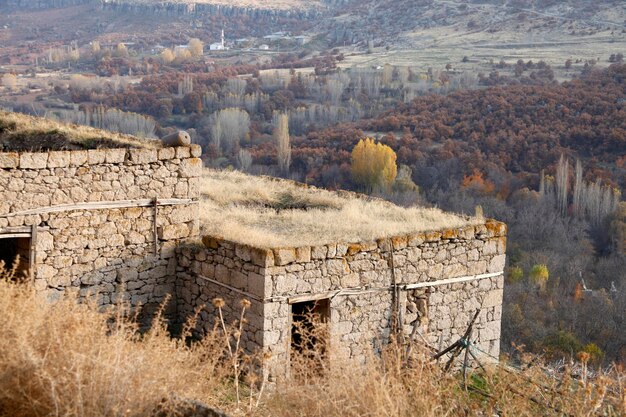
[
  {"x": 222, "y": 262},
  {"x": 107, "y": 252},
  {"x": 358, "y": 279}
]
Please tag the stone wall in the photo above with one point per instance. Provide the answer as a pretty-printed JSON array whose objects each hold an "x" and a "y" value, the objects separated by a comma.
[
  {"x": 360, "y": 281},
  {"x": 242, "y": 275},
  {"x": 95, "y": 220}
]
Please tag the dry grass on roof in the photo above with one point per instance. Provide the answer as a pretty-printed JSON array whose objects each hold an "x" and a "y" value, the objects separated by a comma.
[
  {"x": 19, "y": 132},
  {"x": 271, "y": 213}
]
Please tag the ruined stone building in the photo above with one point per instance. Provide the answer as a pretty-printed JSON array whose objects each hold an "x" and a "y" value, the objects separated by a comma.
[{"x": 130, "y": 223}]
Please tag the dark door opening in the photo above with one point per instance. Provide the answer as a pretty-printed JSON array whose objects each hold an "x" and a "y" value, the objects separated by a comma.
[
  {"x": 309, "y": 331},
  {"x": 12, "y": 248}
]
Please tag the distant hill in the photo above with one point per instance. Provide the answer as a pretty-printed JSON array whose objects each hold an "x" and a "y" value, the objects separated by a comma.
[{"x": 415, "y": 22}]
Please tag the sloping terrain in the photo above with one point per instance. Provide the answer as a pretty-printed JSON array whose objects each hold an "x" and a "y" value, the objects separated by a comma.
[{"x": 422, "y": 23}]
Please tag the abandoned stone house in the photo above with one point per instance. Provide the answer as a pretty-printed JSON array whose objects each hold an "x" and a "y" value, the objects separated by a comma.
[{"x": 124, "y": 223}]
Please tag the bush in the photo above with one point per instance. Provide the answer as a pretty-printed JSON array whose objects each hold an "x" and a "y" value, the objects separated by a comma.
[
  {"x": 539, "y": 275},
  {"x": 516, "y": 274}
]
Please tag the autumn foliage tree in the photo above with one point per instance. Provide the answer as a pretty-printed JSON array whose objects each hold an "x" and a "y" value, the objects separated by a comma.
[
  {"x": 196, "y": 47},
  {"x": 373, "y": 165}
]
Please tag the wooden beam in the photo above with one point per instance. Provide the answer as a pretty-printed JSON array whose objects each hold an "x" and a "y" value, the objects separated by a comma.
[
  {"x": 312, "y": 297},
  {"x": 154, "y": 227},
  {"x": 33, "y": 252},
  {"x": 102, "y": 205},
  {"x": 23, "y": 229},
  {"x": 237, "y": 290},
  {"x": 451, "y": 280}
]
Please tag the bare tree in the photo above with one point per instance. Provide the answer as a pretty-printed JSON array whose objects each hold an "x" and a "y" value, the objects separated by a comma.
[
  {"x": 578, "y": 189},
  {"x": 283, "y": 143},
  {"x": 244, "y": 160},
  {"x": 236, "y": 86},
  {"x": 185, "y": 86},
  {"x": 228, "y": 127},
  {"x": 113, "y": 120},
  {"x": 562, "y": 179}
]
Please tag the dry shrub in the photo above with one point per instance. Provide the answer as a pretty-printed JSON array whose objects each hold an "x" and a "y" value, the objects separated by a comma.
[
  {"x": 396, "y": 385},
  {"x": 69, "y": 359},
  {"x": 383, "y": 386},
  {"x": 404, "y": 381}
]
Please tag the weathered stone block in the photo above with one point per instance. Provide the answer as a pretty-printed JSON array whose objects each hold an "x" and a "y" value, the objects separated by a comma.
[
  {"x": 183, "y": 152},
  {"x": 319, "y": 252},
  {"x": 399, "y": 242},
  {"x": 497, "y": 264},
  {"x": 182, "y": 214},
  {"x": 350, "y": 281},
  {"x": 222, "y": 273},
  {"x": 45, "y": 272},
  {"x": 493, "y": 298},
  {"x": 114, "y": 156},
  {"x": 96, "y": 156},
  {"x": 78, "y": 158},
  {"x": 262, "y": 257},
  {"x": 337, "y": 267},
  {"x": 259, "y": 285},
  {"x": 243, "y": 252},
  {"x": 195, "y": 150},
  {"x": 59, "y": 159},
  {"x": 30, "y": 160},
  {"x": 303, "y": 254},
  {"x": 142, "y": 156},
  {"x": 190, "y": 168},
  {"x": 284, "y": 256},
  {"x": 490, "y": 248},
  {"x": 45, "y": 241},
  {"x": 166, "y": 154},
  {"x": 432, "y": 236},
  {"x": 416, "y": 239},
  {"x": 173, "y": 231},
  {"x": 9, "y": 160}
]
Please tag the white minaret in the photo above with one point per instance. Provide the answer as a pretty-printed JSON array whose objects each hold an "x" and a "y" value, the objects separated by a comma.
[{"x": 223, "y": 44}]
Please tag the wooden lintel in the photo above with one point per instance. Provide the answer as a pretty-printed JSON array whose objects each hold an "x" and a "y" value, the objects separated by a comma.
[
  {"x": 13, "y": 235},
  {"x": 311, "y": 297}
]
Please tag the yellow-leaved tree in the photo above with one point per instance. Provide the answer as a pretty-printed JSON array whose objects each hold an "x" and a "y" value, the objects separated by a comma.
[{"x": 373, "y": 165}]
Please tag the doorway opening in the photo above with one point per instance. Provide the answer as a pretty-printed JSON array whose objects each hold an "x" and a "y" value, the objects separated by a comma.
[
  {"x": 309, "y": 332},
  {"x": 15, "y": 249}
]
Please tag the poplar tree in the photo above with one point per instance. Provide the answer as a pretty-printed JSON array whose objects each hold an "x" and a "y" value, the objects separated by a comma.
[{"x": 373, "y": 165}]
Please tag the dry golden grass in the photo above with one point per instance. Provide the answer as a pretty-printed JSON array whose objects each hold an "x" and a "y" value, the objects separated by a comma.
[
  {"x": 271, "y": 213},
  {"x": 68, "y": 359},
  {"x": 39, "y": 133}
]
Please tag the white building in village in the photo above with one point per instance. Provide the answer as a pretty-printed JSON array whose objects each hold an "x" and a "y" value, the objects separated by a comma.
[{"x": 218, "y": 46}]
